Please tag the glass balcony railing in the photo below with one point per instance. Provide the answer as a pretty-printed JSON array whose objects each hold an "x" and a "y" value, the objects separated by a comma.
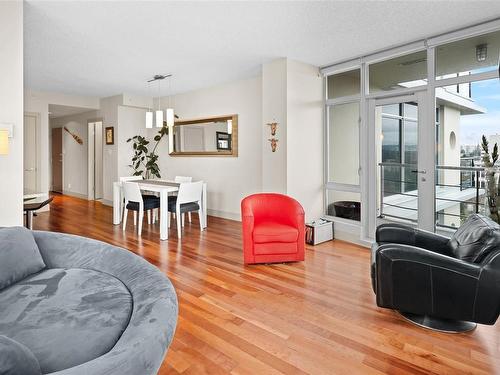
[{"x": 459, "y": 192}]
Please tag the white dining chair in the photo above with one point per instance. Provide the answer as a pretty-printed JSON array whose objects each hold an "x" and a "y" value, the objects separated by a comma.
[
  {"x": 188, "y": 200},
  {"x": 125, "y": 179},
  {"x": 137, "y": 202},
  {"x": 179, "y": 180},
  {"x": 155, "y": 211}
]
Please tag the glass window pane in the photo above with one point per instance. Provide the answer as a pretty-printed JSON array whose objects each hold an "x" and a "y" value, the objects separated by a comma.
[
  {"x": 344, "y": 84},
  {"x": 344, "y": 204},
  {"x": 344, "y": 143},
  {"x": 391, "y": 109},
  {"x": 472, "y": 55},
  {"x": 391, "y": 153},
  {"x": 400, "y": 72},
  {"x": 410, "y": 110},
  {"x": 463, "y": 120}
]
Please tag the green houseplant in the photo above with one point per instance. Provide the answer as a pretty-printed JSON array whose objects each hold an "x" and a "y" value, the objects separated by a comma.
[{"x": 145, "y": 161}]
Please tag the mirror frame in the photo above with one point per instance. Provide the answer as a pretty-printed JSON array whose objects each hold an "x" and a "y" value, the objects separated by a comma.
[{"x": 234, "y": 137}]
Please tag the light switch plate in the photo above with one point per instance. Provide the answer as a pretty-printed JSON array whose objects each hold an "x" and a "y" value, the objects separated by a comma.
[{"x": 9, "y": 127}]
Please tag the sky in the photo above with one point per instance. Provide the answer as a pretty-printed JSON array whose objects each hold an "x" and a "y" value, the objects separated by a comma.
[{"x": 472, "y": 127}]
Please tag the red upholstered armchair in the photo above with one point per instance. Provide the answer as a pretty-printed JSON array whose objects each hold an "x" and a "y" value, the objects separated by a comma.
[{"x": 273, "y": 229}]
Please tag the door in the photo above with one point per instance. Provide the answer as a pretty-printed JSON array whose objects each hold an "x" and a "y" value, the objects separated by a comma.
[
  {"x": 403, "y": 149},
  {"x": 95, "y": 160},
  {"x": 30, "y": 152},
  {"x": 57, "y": 160},
  {"x": 98, "y": 144}
]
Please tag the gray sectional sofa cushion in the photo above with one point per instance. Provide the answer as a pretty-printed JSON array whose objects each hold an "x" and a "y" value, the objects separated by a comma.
[
  {"x": 95, "y": 309},
  {"x": 17, "y": 359},
  {"x": 66, "y": 316},
  {"x": 19, "y": 255}
]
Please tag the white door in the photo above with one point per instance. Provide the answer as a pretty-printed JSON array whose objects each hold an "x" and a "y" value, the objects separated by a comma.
[
  {"x": 95, "y": 156},
  {"x": 98, "y": 144},
  {"x": 30, "y": 152},
  {"x": 402, "y": 149}
]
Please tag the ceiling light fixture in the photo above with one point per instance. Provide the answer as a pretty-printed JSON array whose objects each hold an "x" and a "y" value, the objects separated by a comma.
[{"x": 159, "y": 112}]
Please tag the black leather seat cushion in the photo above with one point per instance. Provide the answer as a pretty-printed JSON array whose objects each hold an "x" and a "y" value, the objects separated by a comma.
[
  {"x": 475, "y": 239},
  {"x": 185, "y": 207},
  {"x": 150, "y": 202}
]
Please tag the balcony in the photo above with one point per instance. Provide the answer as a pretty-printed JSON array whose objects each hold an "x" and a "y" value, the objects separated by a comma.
[{"x": 459, "y": 192}]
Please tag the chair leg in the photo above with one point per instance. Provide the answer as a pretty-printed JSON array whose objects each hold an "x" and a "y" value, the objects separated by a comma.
[
  {"x": 179, "y": 224},
  {"x": 182, "y": 219},
  {"x": 169, "y": 219},
  {"x": 125, "y": 213},
  {"x": 149, "y": 217},
  {"x": 135, "y": 218},
  {"x": 189, "y": 217},
  {"x": 141, "y": 219}
]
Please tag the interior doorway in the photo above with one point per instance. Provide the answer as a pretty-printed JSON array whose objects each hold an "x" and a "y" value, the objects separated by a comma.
[
  {"x": 57, "y": 160},
  {"x": 31, "y": 152},
  {"x": 95, "y": 151}
]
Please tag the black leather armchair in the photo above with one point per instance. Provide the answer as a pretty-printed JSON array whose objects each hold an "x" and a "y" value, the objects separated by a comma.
[{"x": 437, "y": 282}]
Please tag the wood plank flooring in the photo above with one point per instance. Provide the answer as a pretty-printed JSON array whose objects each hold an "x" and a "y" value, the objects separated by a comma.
[{"x": 312, "y": 317}]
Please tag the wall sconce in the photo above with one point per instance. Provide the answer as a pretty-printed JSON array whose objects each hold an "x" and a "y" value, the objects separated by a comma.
[{"x": 5, "y": 134}]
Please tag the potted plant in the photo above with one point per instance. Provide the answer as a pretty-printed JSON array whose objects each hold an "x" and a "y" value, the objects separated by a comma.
[{"x": 144, "y": 161}]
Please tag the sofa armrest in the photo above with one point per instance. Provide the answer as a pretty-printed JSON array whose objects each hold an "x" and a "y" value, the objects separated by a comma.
[
  {"x": 406, "y": 235},
  {"x": 416, "y": 280}
]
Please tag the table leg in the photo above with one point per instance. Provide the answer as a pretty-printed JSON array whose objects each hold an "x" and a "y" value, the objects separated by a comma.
[
  {"x": 163, "y": 215},
  {"x": 117, "y": 204}
]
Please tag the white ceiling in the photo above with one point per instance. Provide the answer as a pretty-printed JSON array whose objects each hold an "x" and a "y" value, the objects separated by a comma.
[
  {"x": 56, "y": 110},
  {"x": 106, "y": 48}
]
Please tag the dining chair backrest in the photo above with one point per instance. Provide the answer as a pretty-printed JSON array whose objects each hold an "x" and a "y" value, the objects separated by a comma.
[
  {"x": 181, "y": 179},
  {"x": 132, "y": 192},
  {"x": 190, "y": 192}
]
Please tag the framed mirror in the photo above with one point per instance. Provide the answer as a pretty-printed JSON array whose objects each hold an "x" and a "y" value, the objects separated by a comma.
[{"x": 211, "y": 136}]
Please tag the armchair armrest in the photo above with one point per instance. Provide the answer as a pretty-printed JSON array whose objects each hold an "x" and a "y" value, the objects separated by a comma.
[
  {"x": 420, "y": 281},
  {"x": 405, "y": 235}
]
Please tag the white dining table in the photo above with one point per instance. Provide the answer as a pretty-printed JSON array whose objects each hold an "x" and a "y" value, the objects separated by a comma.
[{"x": 164, "y": 188}]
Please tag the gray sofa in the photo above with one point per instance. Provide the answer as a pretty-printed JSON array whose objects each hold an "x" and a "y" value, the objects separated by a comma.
[{"x": 71, "y": 305}]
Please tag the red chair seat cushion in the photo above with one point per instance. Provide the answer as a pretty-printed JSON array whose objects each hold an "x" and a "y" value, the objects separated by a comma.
[{"x": 274, "y": 232}]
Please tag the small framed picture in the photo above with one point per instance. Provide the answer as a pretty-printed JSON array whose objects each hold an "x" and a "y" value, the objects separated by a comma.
[
  {"x": 110, "y": 135},
  {"x": 223, "y": 141}
]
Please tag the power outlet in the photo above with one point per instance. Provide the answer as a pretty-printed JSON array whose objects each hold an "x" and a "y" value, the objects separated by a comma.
[{"x": 69, "y": 186}]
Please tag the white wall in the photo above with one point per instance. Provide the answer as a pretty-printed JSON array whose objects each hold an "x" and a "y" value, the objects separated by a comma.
[
  {"x": 229, "y": 179},
  {"x": 75, "y": 156},
  {"x": 131, "y": 122},
  {"x": 109, "y": 114},
  {"x": 304, "y": 141},
  {"x": 11, "y": 111},
  {"x": 274, "y": 109},
  {"x": 38, "y": 102}
]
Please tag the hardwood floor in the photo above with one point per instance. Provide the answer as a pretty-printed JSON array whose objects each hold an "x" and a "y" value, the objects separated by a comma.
[{"x": 312, "y": 317}]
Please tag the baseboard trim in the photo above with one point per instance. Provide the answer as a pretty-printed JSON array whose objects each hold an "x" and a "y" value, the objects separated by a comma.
[
  {"x": 224, "y": 214},
  {"x": 106, "y": 202},
  {"x": 74, "y": 194}
]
